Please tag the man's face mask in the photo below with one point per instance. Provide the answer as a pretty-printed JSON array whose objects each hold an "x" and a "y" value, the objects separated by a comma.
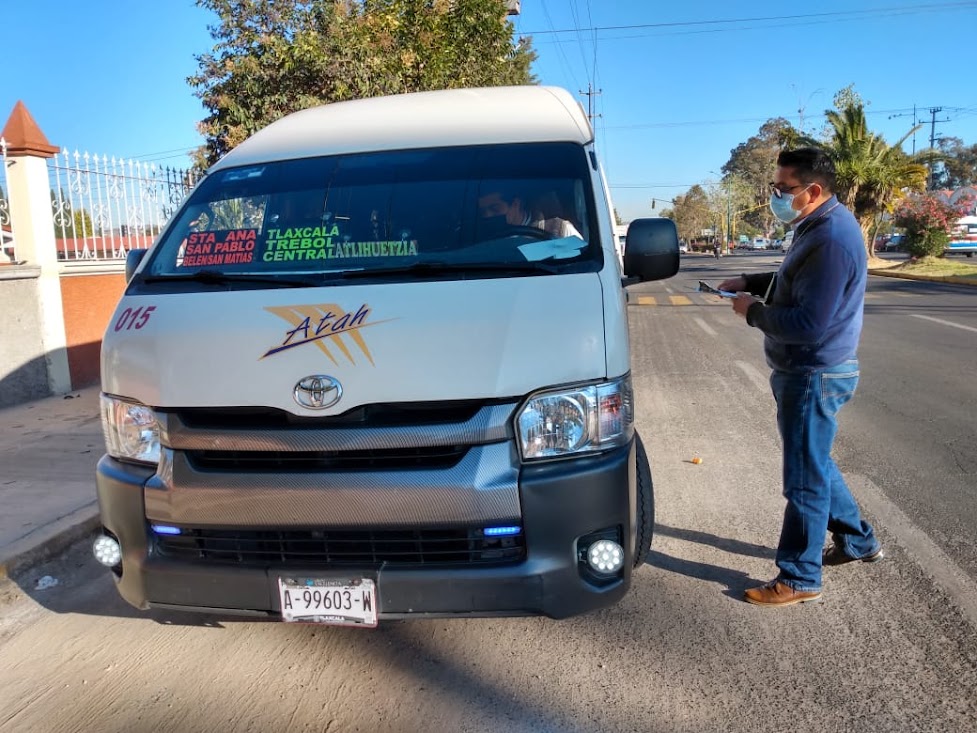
[
  {"x": 492, "y": 227},
  {"x": 781, "y": 203}
]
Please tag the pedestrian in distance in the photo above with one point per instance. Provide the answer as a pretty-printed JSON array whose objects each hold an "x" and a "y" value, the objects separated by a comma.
[{"x": 810, "y": 314}]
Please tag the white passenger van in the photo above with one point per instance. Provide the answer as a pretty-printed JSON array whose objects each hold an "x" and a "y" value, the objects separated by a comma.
[{"x": 377, "y": 366}]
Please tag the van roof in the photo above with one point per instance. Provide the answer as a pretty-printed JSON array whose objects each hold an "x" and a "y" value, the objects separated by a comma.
[{"x": 419, "y": 120}]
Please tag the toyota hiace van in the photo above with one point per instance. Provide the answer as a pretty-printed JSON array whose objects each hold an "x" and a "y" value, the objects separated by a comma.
[{"x": 377, "y": 366}]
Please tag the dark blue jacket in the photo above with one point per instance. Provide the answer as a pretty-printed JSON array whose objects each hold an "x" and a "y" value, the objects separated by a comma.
[{"x": 813, "y": 316}]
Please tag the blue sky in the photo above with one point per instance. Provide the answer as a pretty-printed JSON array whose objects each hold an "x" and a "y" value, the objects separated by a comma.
[{"x": 678, "y": 90}]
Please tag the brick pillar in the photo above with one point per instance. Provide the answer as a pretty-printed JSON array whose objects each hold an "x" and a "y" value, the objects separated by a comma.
[{"x": 33, "y": 226}]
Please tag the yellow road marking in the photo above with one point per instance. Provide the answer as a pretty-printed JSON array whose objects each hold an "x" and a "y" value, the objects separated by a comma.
[
  {"x": 679, "y": 300},
  {"x": 647, "y": 300}
]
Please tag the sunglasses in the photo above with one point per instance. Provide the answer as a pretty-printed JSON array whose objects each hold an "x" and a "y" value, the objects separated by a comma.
[{"x": 779, "y": 191}]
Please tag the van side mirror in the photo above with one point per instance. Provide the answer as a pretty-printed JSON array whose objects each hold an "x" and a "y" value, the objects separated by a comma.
[
  {"x": 651, "y": 249},
  {"x": 133, "y": 258}
]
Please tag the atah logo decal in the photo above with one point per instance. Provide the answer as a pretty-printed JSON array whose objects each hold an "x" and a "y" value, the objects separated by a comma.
[{"x": 324, "y": 325}]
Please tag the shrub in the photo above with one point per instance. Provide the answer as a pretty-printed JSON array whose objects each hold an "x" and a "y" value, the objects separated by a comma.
[{"x": 927, "y": 220}]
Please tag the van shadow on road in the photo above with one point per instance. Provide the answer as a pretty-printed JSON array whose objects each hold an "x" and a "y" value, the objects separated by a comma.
[{"x": 74, "y": 583}]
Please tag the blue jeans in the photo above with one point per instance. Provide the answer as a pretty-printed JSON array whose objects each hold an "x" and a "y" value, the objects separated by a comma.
[{"x": 818, "y": 499}]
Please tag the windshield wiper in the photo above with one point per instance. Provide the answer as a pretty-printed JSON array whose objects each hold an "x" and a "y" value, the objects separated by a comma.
[
  {"x": 437, "y": 268},
  {"x": 217, "y": 277}
]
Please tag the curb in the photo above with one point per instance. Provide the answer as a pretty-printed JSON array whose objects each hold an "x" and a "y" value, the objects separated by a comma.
[
  {"x": 48, "y": 541},
  {"x": 954, "y": 279}
]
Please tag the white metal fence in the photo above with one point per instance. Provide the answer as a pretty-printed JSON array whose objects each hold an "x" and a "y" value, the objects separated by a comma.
[{"x": 103, "y": 207}]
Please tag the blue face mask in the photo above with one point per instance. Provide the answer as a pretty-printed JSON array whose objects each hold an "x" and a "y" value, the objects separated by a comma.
[{"x": 782, "y": 208}]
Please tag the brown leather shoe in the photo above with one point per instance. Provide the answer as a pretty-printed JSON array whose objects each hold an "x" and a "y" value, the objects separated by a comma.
[{"x": 776, "y": 593}]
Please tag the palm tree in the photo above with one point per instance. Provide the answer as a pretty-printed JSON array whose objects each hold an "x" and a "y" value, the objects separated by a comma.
[{"x": 872, "y": 176}]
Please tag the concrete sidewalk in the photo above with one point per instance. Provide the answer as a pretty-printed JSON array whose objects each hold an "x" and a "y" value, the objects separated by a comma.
[{"x": 48, "y": 452}]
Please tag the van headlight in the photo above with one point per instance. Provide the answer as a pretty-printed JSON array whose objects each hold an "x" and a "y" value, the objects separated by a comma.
[
  {"x": 576, "y": 420},
  {"x": 131, "y": 431}
]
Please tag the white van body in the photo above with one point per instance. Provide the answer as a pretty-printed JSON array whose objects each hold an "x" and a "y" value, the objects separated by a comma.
[{"x": 395, "y": 410}]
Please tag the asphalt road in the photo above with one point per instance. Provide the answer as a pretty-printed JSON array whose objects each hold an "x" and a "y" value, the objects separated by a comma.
[{"x": 891, "y": 648}]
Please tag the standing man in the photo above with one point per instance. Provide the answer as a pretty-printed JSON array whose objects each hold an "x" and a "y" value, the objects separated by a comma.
[{"x": 811, "y": 318}]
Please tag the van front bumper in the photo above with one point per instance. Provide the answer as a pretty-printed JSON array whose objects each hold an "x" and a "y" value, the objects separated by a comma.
[{"x": 561, "y": 502}]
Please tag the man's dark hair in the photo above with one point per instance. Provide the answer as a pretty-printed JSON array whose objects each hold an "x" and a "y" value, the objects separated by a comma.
[{"x": 810, "y": 165}]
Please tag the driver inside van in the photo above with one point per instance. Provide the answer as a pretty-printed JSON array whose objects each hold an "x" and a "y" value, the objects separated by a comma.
[
  {"x": 299, "y": 209},
  {"x": 501, "y": 210}
]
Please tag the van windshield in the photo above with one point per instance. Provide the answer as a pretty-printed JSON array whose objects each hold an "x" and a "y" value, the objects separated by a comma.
[{"x": 417, "y": 211}]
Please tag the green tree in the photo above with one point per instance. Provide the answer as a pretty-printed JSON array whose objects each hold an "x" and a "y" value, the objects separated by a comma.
[
  {"x": 752, "y": 163},
  {"x": 71, "y": 223},
  {"x": 959, "y": 163},
  {"x": 872, "y": 176},
  {"x": 272, "y": 58},
  {"x": 731, "y": 200},
  {"x": 692, "y": 213}
]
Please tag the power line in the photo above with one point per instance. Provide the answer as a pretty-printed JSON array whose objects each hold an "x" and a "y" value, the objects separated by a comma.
[
  {"x": 859, "y": 14},
  {"x": 741, "y": 120},
  {"x": 593, "y": 41},
  {"x": 915, "y": 122},
  {"x": 768, "y": 27},
  {"x": 583, "y": 57},
  {"x": 559, "y": 45},
  {"x": 166, "y": 154}
]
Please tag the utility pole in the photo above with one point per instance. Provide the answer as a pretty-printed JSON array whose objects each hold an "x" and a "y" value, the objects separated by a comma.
[
  {"x": 915, "y": 122},
  {"x": 729, "y": 217},
  {"x": 590, "y": 93},
  {"x": 933, "y": 111}
]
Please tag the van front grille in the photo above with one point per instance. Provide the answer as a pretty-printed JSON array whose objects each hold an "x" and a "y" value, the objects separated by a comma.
[
  {"x": 396, "y": 459},
  {"x": 360, "y": 548}
]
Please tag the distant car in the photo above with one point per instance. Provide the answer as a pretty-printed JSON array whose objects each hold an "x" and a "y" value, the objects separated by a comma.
[
  {"x": 759, "y": 243},
  {"x": 896, "y": 243},
  {"x": 787, "y": 241},
  {"x": 683, "y": 247}
]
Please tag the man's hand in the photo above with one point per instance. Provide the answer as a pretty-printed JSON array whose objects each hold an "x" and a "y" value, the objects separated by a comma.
[
  {"x": 734, "y": 284},
  {"x": 743, "y": 301}
]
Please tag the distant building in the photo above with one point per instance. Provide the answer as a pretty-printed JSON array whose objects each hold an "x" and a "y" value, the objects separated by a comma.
[
  {"x": 961, "y": 193},
  {"x": 513, "y": 7}
]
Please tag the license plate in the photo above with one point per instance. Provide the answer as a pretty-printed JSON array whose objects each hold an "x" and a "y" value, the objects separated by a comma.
[{"x": 346, "y": 602}]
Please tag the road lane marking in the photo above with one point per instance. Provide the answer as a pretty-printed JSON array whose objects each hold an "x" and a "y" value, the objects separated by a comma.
[
  {"x": 699, "y": 299},
  {"x": 928, "y": 555},
  {"x": 754, "y": 375},
  {"x": 945, "y": 323},
  {"x": 705, "y": 326}
]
